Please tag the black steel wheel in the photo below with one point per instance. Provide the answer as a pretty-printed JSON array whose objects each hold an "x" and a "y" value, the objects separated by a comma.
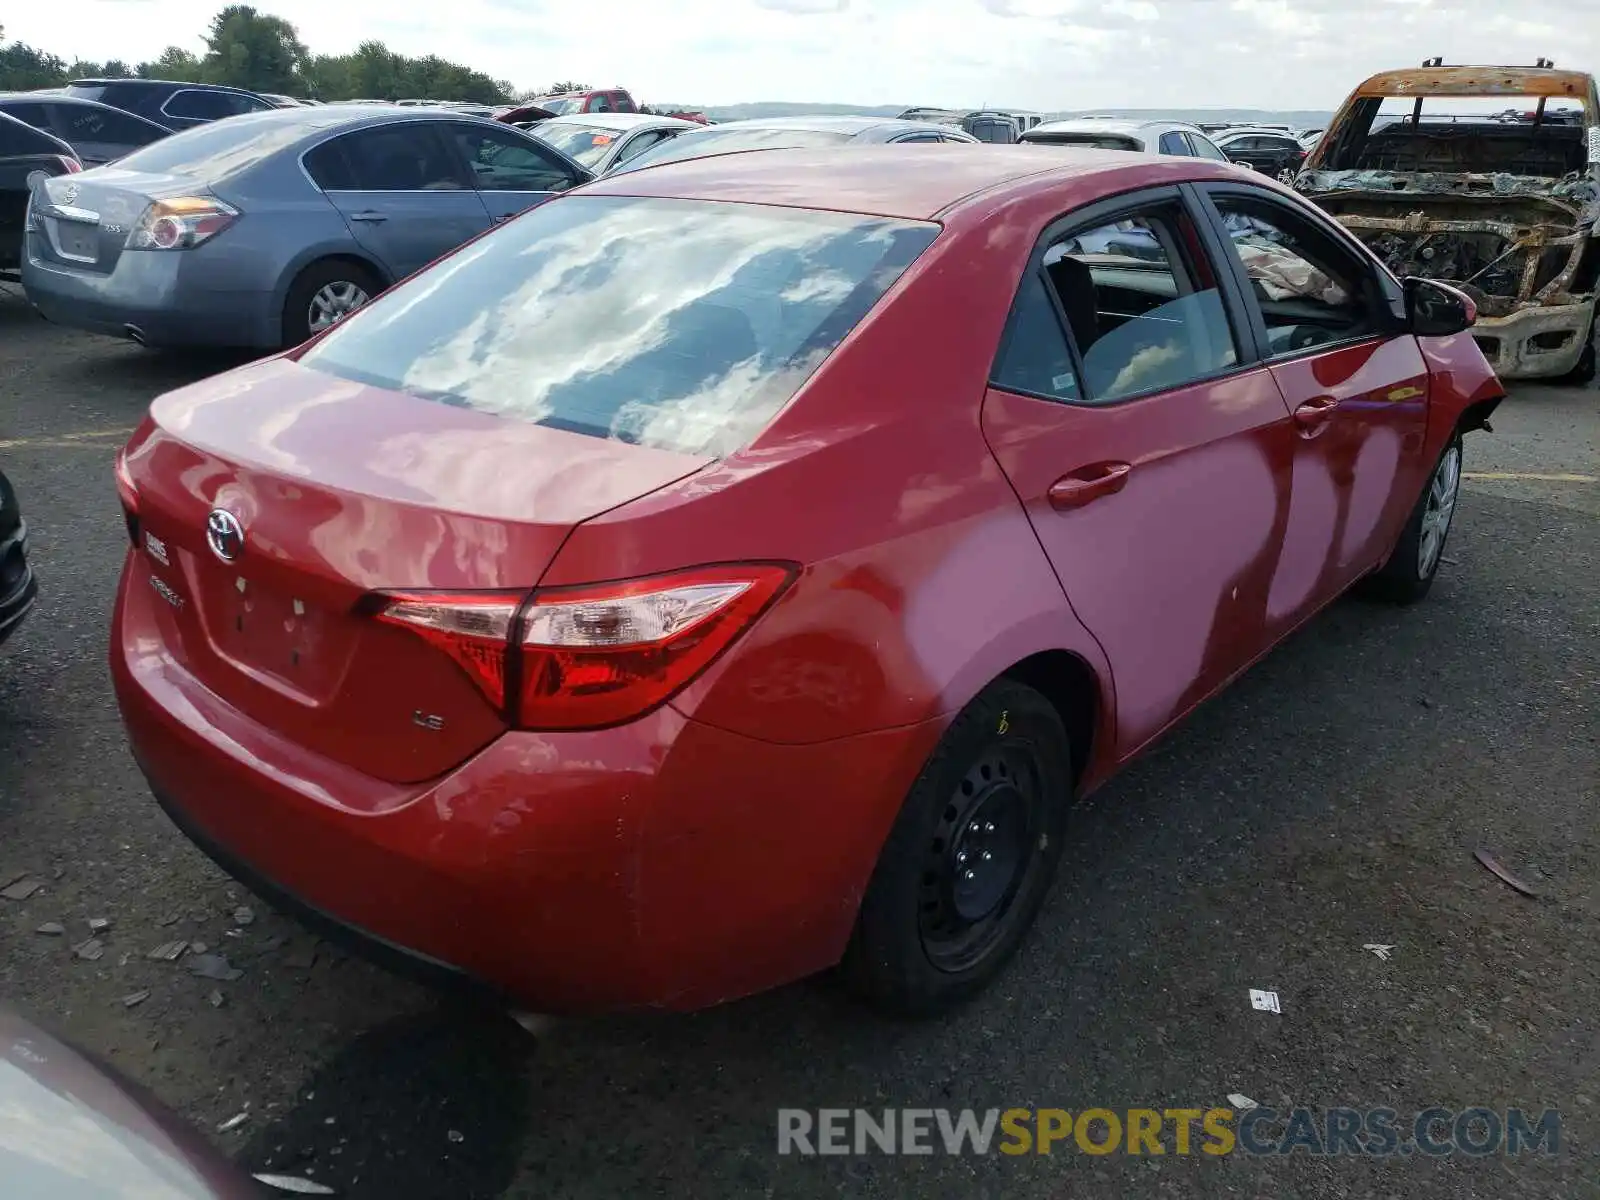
[{"x": 969, "y": 860}]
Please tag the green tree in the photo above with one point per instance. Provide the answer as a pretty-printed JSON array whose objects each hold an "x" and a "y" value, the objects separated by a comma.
[
  {"x": 175, "y": 63},
  {"x": 560, "y": 88},
  {"x": 250, "y": 49},
  {"x": 22, "y": 68}
]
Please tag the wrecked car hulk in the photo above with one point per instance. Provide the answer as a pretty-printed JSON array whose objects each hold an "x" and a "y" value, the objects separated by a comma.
[{"x": 1487, "y": 178}]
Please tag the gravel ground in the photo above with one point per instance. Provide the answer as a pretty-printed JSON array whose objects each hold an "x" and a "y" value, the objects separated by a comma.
[{"x": 1333, "y": 798}]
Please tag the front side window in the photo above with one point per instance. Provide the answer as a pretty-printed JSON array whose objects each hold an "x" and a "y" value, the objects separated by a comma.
[
  {"x": 504, "y": 162},
  {"x": 1204, "y": 147},
  {"x": 642, "y": 143},
  {"x": 1144, "y": 312},
  {"x": 1309, "y": 290},
  {"x": 680, "y": 324},
  {"x": 1172, "y": 142}
]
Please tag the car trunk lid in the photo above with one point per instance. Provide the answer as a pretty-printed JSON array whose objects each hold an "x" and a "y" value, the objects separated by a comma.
[
  {"x": 340, "y": 491},
  {"x": 86, "y": 218}
]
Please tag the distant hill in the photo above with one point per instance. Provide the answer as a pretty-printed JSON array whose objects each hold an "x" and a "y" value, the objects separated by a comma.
[{"x": 1299, "y": 118}]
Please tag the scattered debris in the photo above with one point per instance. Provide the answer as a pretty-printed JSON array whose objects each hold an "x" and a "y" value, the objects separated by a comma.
[
  {"x": 170, "y": 919},
  {"x": 168, "y": 951},
  {"x": 1448, "y": 561},
  {"x": 1242, "y": 1103},
  {"x": 243, "y": 915},
  {"x": 233, "y": 1122},
  {"x": 303, "y": 957},
  {"x": 52, "y": 929},
  {"x": 538, "y": 1024},
  {"x": 214, "y": 966},
  {"x": 455, "y": 1135},
  {"x": 198, "y": 947},
  {"x": 216, "y": 998},
  {"x": 134, "y": 999},
  {"x": 1506, "y": 876},
  {"x": 98, "y": 924},
  {"x": 7, "y": 878},
  {"x": 293, "y": 1183},
  {"x": 1380, "y": 950},
  {"x": 1264, "y": 1001},
  {"x": 22, "y": 889},
  {"x": 90, "y": 950}
]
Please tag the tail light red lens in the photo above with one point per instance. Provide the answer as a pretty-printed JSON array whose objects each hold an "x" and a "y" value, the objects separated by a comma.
[
  {"x": 474, "y": 628},
  {"x": 593, "y": 656},
  {"x": 69, "y": 166},
  {"x": 128, "y": 494}
]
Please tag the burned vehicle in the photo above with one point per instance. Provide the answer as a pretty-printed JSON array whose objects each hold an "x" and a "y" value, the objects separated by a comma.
[{"x": 1485, "y": 177}]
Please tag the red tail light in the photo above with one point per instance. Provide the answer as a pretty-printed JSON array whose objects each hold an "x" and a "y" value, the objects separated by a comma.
[
  {"x": 592, "y": 656},
  {"x": 69, "y": 166},
  {"x": 128, "y": 494}
]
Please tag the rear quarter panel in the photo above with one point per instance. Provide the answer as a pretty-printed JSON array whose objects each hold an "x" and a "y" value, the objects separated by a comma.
[
  {"x": 922, "y": 579},
  {"x": 287, "y": 225}
]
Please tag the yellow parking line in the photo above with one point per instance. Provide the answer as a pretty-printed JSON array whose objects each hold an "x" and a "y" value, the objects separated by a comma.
[
  {"x": 65, "y": 439},
  {"x": 1529, "y": 475}
]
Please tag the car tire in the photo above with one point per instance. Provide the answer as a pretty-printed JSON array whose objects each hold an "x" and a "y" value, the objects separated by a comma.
[
  {"x": 969, "y": 860},
  {"x": 1584, "y": 371},
  {"x": 328, "y": 282},
  {"x": 1409, "y": 574}
]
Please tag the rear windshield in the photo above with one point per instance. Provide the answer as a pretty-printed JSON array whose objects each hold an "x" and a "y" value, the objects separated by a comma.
[
  {"x": 679, "y": 324},
  {"x": 86, "y": 91},
  {"x": 218, "y": 149},
  {"x": 1096, "y": 141},
  {"x": 727, "y": 141},
  {"x": 586, "y": 143}
]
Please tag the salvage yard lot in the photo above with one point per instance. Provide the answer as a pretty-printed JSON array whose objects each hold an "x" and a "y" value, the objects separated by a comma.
[{"x": 1333, "y": 798}]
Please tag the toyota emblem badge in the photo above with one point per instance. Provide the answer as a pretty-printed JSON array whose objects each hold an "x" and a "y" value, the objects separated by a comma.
[{"x": 224, "y": 534}]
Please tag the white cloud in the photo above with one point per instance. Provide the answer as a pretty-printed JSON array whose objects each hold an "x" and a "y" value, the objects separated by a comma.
[{"x": 1042, "y": 54}]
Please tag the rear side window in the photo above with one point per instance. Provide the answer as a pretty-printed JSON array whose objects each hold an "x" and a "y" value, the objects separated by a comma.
[
  {"x": 679, "y": 324},
  {"x": 1173, "y": 142}
]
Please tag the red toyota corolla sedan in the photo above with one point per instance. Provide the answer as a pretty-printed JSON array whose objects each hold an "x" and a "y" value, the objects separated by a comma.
[{"x": 734, "y": 569}]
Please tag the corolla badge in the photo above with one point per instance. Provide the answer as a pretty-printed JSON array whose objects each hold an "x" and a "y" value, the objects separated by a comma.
[{"x": 224, "y": 534}]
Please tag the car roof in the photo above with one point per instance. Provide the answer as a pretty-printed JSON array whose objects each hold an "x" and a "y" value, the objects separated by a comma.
[
  {"x": 95, "y": 81},
  {"x": 1252, "y": 131},
  {"x": 317, "y": 119},
  {"x": 620, "y": 120},
  {"x": 1122, "y": 125},
  {"x": 840, "y": 124},
  {"x": 908, "y": 182}
]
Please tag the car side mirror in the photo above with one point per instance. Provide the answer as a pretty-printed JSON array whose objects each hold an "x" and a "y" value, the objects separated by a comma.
[{"x": 1435, "y": 309}]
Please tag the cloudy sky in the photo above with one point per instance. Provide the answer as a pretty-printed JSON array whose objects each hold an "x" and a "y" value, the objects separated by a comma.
[{"x": 1042, "y": 54}]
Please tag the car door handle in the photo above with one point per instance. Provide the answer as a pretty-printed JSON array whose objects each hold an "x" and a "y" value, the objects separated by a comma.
[
  {"x": 369, "y": 216},
  {"x": 1313, "y": 416},
  {"x": 1079, "y": 488},
  {"x": 501, "y": 219}
]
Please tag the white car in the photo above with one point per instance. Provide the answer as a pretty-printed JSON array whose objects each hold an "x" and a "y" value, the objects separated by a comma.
[{"x": 1111, "y": 133}]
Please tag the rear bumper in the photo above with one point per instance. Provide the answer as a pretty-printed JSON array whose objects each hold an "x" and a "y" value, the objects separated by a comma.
[
  {"x": 18, "y": 586},
  {"x": 662, "y": 864},
  {"x": 1536, "y": 343},
  {"x": 160, "y": 295}
]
